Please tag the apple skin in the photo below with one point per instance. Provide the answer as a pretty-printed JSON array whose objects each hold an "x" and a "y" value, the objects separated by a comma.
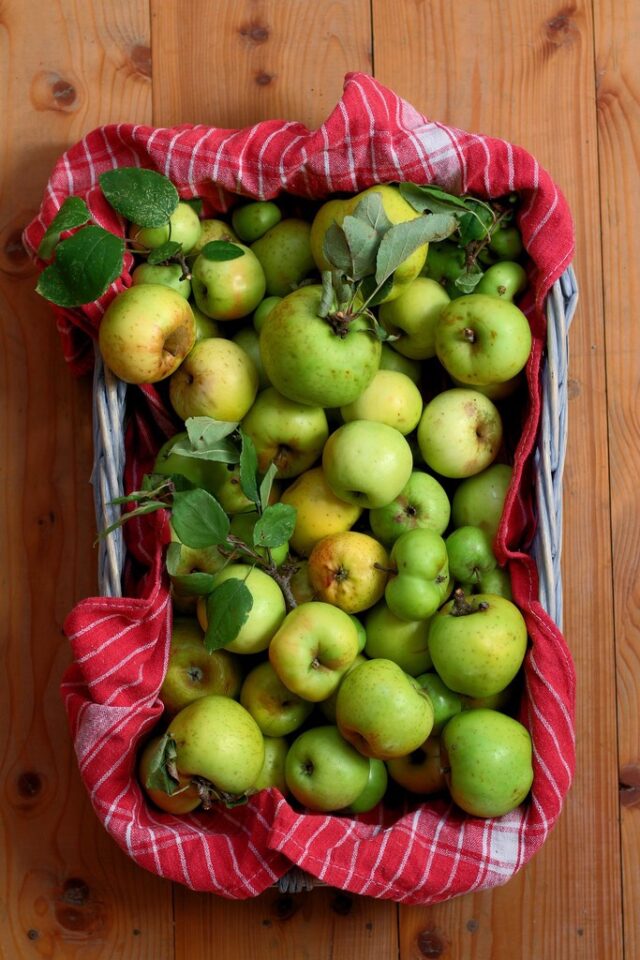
[
  {"x": 482, "y": 339},
  {"x": 276, "y": 710},
  {"x": 291, "y": 435},
  {"x": 403, "y": 641},
  {"x": 248, "y": 339},
  {"x": 300, "y": 584},
  {"x": 422, "y": 580},
  {"x": 421, "y": 770},
  {"x": 489, "y": 756},
  {"x": 446, "y": 703},
  {"x": 479, "y": 651},
  {"x": 495, "y": 391},
  {"x": 315, "y": 644},
  {"x": 179, "y": 803},
  {"x": 252, "y": 220},
  {"x": 390, "y": 398},
  {"x": 319, "y": 512},
  {"x": 166, "y": 274},
  {"x": 273, "y": 768},
  {"x": 460, "y": 433},
  {"x": 422, "y": 504},
  {"x": 470, "y": 554},
  {"x": 478, "y": 501},
  {"x": 228, "y": 289},
  {"x": 185, "y": 229},
  {"x": 146, "y": 333},
  {"x": 496, "y": 581},
  {"x": 349, "y": 570},
  {"x": 218, "y": 379},
  {"x": 323, "y": 771},
  {"x": 504, "y": 280},
  {"x": 381, "y": 711},
  {"x": 367, "y": 463},
  {"x": 192, "y": 672},
  {"x": 205, "y": 326},
  {"x": 284, "y": 253},
  {"x": 218, "y": 740},
  {"x": 328, "y": 706},
  {"x": 309, "y": 363},
  {"x": 263, "y": 310},
  {"x": 374, "y": 790},
  {"x": 266, "y": 615},
  {"x": 390, "y": 359},
  {"x": 414, "y": 316}
]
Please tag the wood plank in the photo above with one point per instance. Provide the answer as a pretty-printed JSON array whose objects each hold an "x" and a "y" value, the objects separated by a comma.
[
  {"x": 527, "y": 81},
  {"x": 618, "y": 104},
  {"x": 67, "y": 890}
]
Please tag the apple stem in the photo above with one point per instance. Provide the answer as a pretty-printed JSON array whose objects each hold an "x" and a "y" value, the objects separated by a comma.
[
  {"x": 378, "y": 566},
  {"x": 461, "y": 606},
  {"x": 469, "y": 335}
]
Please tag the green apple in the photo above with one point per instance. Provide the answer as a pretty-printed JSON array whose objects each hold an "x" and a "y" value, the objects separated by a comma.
[
  {"x": 422, "y": 579},
  {"x": 186, "y": 796},
  {"x": 445, "y": 262},
  {"x": 381, "y": 711},
  {"x": 328, "y": 706},
  {"x": 288, "y": 434},
  {"x": 242, "y": 526},
  {"x": 323, "y": 771},
  {"x": 403, "y": 641},
  {"x": 263, "y": 310},
  {"x": 210, "y": 230},
  {"x": 252, "y": 220},
  {"x": 460, "y": 433},
  {"x": 477, "y": 643},
  {"x": 362, "y": 633},
  {"x": 248, "y": 339},
  {"x": 300, "y": 584},
  {"x": 495, "y": 391},
  {"x": 482, "y": 339},
  {"x": 319, "y": 513},
  {"x": 273, "y": 768},
  {"x": 390, "y": 398},
  {"x": 488, "y": 762},
  {"x": 218, "y": 379},
  {"x": 207, "y": 474},
  {"x": 231, "y": 497},
  {"x": 276, "y": 710},
  {"x": 313, "y": 647},
  {"x": 470, "y": 553},
  {"x": 228, "y": 289},
  {"x": 506, "y": 243},
  {"x": 313, "y": 359},
  {"x": 422, "y": 504},
  {"x": 349, "y": 570},
  {"x": 284, "y": 252},
  {"x": 146, "y": 332},
  {"x": 446, "y": 703},
  {"x": 504, "y": 280},
  {"x": 168, "y": 274},
  {"x": 367, "y": 463},
  {"x": 374, "y": 790},
  {"x": 218, "y": 740},
  {"x": 478, "y": 501},
  {"x": 183, "y": 227},
  {"x": 205, "y": 326},
  {"x": 192, "y": 672},
  {"x": 414, "y": 316},
  {"x": 266, "y": 614},
  {"x": 421, "y": 770},
  {"x": 390, "y": 359},
  {"x": 506, "y": 701},
  {"x": 496, "y": 581}
]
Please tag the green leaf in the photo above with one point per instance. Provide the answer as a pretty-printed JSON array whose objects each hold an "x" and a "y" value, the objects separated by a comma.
[
  {"x": 363, "y": 241},
  {"x": 477, "y": 223},
  {"x": 86, "y": 265},
  {"x": 427, "y": 197},
  {"x": 469, "y": 279},
  {"x": 73, "y": 213},
  {"x": 195, "y": 584},
  {"x": 162, "y": 767},
  {"x": 374, "y": 293},
  {"x": 150, "y": 506},
  {"x": 145, "y": 197},
  {"x": 249, "y": 469},
  {"x": 195, "y": 203},
  {"x": 371, "y": 210},
  {"x": 228, "y": 607},
  {"x": 336, "y": 249},
  {"x": 207, "y": 440},
  {"x": 327, "y": 302},
  {"x": 198, "y": 519},
  {"x": 266, "y": 484},
  {"x": 163, "y": 253},
  {"x": 404, "y": 238},
  {"x": 222, "y": 250},
  {"x": 275, "y": 526}
]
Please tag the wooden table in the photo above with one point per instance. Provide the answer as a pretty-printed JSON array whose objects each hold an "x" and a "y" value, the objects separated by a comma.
[{"x": 556, "y": 78}]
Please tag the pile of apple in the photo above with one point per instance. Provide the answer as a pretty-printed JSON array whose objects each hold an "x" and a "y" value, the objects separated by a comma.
[{"x": 341, "y": 624}]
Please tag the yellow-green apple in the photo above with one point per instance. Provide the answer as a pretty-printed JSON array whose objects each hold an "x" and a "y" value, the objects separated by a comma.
[
  {"x": 273, "y": 768},
  {"x": 506, "y": 701},
  {"x": 193, "y": 672},
  {"x": 478, "y": 501},
  {"x": 445, "y": 702},
  {"x": 374, "y": 790},
  {"x": 263, "y": 310},
  {"x": 288, "y": 434},
  {"x": 284, "y": 252},
  {"x": 487, "y": 757},
  {"x": 266, "y": 614},
  {"x": 252, "y": 220},
  {"x": 319, "y": 512},
  {"x": 422, "y": 504},
  {"x": 504, "y": 280},
  {"x": 325, "y": 362},
  {"x": 313, "y": 647},
  {"x": 460, "y": 433},
  {"x": 167, "y": 274},
  {"x": 496, "y": 581},
  {"x": 248, "y": 339},
  {"x": 367, "y": 463},
  {"x": 471, "y": 555},
  {"x": 218, "y": 379},
  {"x": 381, "y": 711},
  {"x": 445, "y": 262},
  {"x": 205, "y": 326},
  {"x": 495, "y": 391},
  {"x": 413, "y": 318},
  {"x": 421, "y": 770},
  {"x": 207, "y": 474},
  {"x": 390, "y": 398},
  {"x": 228, "y": 289},
  {"x": 328, "y": 706},
  {"x": 477, "y": 643},
  {"x": 422, "y": 579},
  {"x": 349, "y": 570},
  {"x": 323, "y": 771},
  {"x": 300, "y": 584},
  {"x": 210, "y": 230},
  {"x": 183, "y": 227},
  {"x": 274, "y": 707},
  {"x": 390, "y": 359},
  {"x": 185, "y": 797},
  {"x": 403, "y": 641},
  {"x": 506, "y": 242},
  {"x": 482, "y": 339},
  {"x": 146, "y": 332}
]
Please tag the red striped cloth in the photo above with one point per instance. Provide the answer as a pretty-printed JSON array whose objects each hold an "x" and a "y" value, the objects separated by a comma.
[{"x": 422, "y": 852}]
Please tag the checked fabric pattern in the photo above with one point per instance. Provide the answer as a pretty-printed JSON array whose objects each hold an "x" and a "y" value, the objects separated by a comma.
[{"x": 418, "y": 853}]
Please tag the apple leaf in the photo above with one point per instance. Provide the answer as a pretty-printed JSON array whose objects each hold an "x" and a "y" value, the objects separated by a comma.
[
  {"x": 371, "y": 210},
  {"x": 374, "y": 293},
  {"x": 222, "y": 250},
  {"x": 196, "y": 584},
  {"x": 249, "y": 469},
  {"x": 363, "y": 241},
  {"x": 432, "y": 199},
  {"x": 275, "y": 526},
  {"x": 145, "y": 197},
  {"x": 198, "y": 519},
  {"x": 162, "y": 773},
  {"x": 327, "y": 302},
  {"x": 228, "y": 607},
  {"x": 404, "y": 238},
  {"x": 477, "y": 223},
  {"x": 195, "y": 203},
  {"x": 73, "y": 213},
  {"x": 86, "y": 265},
  {"x": 163, "y": 253},
  {"x": 266, "y": 484},
  {"x": 207, "y": 440},
  {"x": 336, "y": 249},
  {"x": 469, "y": 279}
]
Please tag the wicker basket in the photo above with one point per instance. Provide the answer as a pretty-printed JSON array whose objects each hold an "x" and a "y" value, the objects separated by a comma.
[{"x": 109, "y": 406}]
